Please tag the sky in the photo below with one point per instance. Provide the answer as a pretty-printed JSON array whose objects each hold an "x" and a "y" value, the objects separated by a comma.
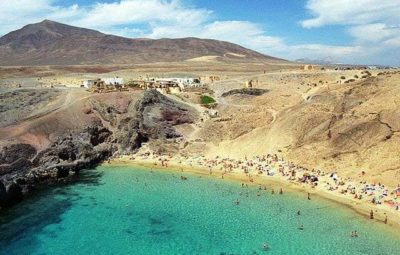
[{"x": 342, "y": 31}]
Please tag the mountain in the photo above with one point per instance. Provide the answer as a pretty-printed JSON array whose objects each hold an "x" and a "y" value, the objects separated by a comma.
[
  {"x": 324, "y": 61},
  {"x": 53, "y": 43}
]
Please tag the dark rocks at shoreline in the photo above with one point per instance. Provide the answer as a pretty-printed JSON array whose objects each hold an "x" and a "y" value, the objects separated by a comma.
[
  {"x": 151, "y": 118},
  {"x": 3, "y": 195},
  {"x": 14, "y": 194},
  {"x": 22, "y": 171},
  {"x": 10, "y": 195}
]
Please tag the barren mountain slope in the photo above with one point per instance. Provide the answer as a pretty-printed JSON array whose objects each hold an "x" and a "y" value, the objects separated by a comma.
[{"x": 52, "y": 43}]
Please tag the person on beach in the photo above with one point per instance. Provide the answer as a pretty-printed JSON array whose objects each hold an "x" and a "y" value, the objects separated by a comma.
[
  {"x": 281, "y": 191},
  {"x": 273, "y": 191},
  {"x": 371, "y": 215},
  {"x": 386, "y": 219},
  {"x": 309, "y": 196}
]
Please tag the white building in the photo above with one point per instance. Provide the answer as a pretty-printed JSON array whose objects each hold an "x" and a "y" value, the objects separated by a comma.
[
  {"x": 183, "y": 82},
  {"x": 88, "y": 84},
  {"x": 113, "y": 81}
]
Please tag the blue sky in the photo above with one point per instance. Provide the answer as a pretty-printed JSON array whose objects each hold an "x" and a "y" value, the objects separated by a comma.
[{"x": 356, "y": 31}]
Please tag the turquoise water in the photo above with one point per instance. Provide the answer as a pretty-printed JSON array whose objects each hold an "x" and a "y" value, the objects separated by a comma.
[{"x": 121, "y": 210}]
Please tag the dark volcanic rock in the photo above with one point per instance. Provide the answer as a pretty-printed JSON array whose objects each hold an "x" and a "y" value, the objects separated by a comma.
[
  {"x": 69, "y": 154},
  {"x": 152, "y": 117},
  {"x": 107, "y": 113},
  {"x": 15, "y": 151},
  {"x": 14, "y": 194},
  {"x": 74, "y": 152},
  {"x": 245, "y": 91},
  {"x": 3, "y": 195},
  {"x": 98, "y": 135},
  {"x": 21, "y": 165}
]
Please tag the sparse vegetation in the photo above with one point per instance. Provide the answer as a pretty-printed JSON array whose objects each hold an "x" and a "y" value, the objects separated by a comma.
[{"x": 207, "y": 100}]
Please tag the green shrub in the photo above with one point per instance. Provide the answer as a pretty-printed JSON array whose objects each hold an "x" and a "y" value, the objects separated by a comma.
[{"x": 207, "y": 100}]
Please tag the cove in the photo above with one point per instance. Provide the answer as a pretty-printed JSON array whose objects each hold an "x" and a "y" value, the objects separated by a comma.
[{"x": 129, "y": 210}]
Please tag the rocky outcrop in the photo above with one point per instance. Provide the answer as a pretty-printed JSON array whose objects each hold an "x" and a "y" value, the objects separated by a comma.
[
  {"x": 23, "y": 168},
  {"x": 14, "y": 152},
  {"x": 152, "y": 117},
  {"x": 3, "y": 195},
  {"x": 14, "y": 194},
  {"x": 107, "y": 113},
  {"x": 245, "y": 91}
]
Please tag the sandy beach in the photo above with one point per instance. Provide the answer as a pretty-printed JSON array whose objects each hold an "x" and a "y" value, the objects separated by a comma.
[{"x": 362, "y": 207}]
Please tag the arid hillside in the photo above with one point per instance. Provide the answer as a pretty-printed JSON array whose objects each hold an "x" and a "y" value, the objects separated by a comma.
[
  {"x": 52, "y": 43},
  {"x": 315, "y": 120},
  {"x": 330, "y": 120}
]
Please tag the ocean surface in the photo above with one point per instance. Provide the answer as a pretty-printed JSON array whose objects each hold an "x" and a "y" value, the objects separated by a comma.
[{"x": 127, "y": 210}]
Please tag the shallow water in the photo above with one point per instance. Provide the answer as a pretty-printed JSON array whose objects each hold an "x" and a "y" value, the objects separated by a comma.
[{"x": 125, "y": 210}]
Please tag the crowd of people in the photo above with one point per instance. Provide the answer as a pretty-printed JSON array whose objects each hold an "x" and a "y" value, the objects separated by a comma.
[{"x": 270, "y": 165}]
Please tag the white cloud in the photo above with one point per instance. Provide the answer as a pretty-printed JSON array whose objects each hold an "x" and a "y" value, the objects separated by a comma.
[
  {"x": 371, "y": 33},
  {"x": 373, "y": 25},
  {"x": 138, "y": 11},
  {"x": 393, "y": 43},
  {"x": 354, "y": 12}
]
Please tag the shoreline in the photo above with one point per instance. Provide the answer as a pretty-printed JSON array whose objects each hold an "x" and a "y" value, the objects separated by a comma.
[{"x": 360, "y": 207}]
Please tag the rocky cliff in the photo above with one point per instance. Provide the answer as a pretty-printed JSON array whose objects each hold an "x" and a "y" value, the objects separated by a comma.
[{"x": 152, "y": 117}]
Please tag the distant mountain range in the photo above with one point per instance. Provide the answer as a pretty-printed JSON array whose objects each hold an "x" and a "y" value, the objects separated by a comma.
[
  {"x": 53, "y": 43},
  {"x": 324, "y": 61}
]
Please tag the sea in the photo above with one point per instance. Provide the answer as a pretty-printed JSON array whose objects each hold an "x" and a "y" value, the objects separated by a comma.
[{"x": 133, "y": 210}]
